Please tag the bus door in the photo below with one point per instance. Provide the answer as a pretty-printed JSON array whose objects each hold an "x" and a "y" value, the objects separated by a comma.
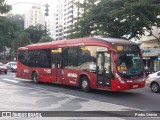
[
  {"x": 103, "y": 69},
  {"x": 56, "y": 64}
]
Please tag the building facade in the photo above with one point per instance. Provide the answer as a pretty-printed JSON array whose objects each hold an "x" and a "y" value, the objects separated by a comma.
[
  {"x": 34, "y": 16},
  {"x": 66, "y": 13},
  {"x": 151, "y": 50},
  {"x": 51, "y": 25}
]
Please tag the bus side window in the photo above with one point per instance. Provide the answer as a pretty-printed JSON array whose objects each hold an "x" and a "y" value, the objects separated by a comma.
[
  {"x": 56, "y": 60},
  {"x": 70, "y": 59}
]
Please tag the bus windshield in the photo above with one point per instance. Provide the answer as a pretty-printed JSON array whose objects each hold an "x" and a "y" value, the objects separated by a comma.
[{"x": 129, "y": 64}]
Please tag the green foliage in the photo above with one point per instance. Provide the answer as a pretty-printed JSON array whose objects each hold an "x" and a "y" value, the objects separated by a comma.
[
  {"x": 45, "y": 39},
  {"x": 21, "y": 39},
  {"x": 119, "y": 18},
  {"x": 82, "y": 28},
  {"x": 4, "y": 8},
  {"x": 36, "y": 32},
  {"x": 19, "y": 19},
  {"x": 7, "y": 30}
]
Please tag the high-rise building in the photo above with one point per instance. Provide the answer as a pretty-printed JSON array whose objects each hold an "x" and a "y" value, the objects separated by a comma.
[
  {"x": 34, "y": 16},
  {"x": 66, "y": 13},
  {"x": 51, "y": 25}
]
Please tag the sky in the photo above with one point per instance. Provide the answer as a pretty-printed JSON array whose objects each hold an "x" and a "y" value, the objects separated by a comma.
[{"x": 20, "y": 6}]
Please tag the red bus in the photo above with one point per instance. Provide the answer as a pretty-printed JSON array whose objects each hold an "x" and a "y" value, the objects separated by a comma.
[{"x": 90, "y": 63}]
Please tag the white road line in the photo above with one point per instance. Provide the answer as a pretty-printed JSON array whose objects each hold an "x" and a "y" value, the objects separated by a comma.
[
  {"x": 20, "y": 79},
  {"x": 10, "y": 80},
  {"x": 7, "y": 76}
]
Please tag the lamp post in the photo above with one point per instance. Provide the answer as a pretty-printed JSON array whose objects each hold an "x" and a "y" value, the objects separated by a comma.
[
  {"x": 27, "y": 3},
  {"x": 46, "y": 11}
]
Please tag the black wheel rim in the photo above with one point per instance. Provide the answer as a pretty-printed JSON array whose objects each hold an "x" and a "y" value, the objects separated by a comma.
[{"x": 155, "y": 87}]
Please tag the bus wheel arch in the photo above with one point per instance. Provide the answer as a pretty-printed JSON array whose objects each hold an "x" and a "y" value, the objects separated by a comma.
[
  {"x": 84, "y": 83},
  {"x": 35, "y": 77}
]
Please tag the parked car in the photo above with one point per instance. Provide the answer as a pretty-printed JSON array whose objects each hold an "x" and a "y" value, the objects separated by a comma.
[
  {"x": 12, "y": 66},
  {"x": 153, "y": 81},
  {"x": 3, "y": 68}
]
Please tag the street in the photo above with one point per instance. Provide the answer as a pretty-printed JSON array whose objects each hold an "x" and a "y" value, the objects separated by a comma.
[{"x": 22, "y": 95}]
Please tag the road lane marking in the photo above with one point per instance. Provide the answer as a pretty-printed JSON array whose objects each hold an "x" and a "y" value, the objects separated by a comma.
[
  {"x": 89, "y": 105},
  {"x": 22, "y": 79},
  {"x": 7, "y": 76},
  {"x": 10, "y": 80}
]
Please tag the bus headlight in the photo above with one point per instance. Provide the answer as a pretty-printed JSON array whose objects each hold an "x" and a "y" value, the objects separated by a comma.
[{"x": 119, "y": 78}]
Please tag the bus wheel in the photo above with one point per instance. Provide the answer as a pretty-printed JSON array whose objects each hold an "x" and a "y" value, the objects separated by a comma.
[
  {"x": 35, "y": 78},
  {"x": 85, "y": 84}
]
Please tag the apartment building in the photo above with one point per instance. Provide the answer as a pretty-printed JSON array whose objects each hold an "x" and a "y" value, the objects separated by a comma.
[
  {"x": 34, "y": 16},
  {"x": 151, "y": 50},
  {"x": 51, "y": 25},
  {"x": 66, "y": 13}
]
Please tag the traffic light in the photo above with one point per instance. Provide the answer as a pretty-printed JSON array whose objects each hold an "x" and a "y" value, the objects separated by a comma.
[{"x": 46, "y": 10}]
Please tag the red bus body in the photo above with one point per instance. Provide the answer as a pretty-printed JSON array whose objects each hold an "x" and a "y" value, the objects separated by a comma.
[{"x": 71, "y": 60}]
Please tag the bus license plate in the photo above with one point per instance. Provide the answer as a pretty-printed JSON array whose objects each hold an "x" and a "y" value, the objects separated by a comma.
[{"x": 135, "y": 86}]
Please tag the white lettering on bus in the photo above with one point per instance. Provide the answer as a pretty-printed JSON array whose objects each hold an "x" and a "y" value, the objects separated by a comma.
[
  {"x": 26, "y": 70},
  {"x": 47, "y": 70},
  {"x": 72, "y": 75}
]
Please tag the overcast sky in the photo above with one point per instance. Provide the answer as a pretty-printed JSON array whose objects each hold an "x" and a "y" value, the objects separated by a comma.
[{"x": 20, "y": 8}]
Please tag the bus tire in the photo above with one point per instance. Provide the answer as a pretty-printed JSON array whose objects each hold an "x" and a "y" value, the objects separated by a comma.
[
  {"x": 85, "y": 85},
  {"x": 35, "y": 77}
]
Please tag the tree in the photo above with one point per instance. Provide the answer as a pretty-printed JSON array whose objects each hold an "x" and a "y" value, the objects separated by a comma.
[
  {"x": 21, "y": 39},
  {"x": 85, "y": 5},
  {"x": 4, "y": 8},
  {"x": 121, "y": 18},
  {"x": 36, "y": 32},
  {"x": 80, "y": 29},
  {"x": 7, "y": 30},
  {"x": 19, "y": 19},
  {"x": 45, "y": 39}
]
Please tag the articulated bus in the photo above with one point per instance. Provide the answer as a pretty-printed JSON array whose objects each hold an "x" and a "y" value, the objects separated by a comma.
[{"x": 90, "y": 63}]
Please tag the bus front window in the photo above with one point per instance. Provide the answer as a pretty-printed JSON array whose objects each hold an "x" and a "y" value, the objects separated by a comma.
[{"x": 129, "y": 65}]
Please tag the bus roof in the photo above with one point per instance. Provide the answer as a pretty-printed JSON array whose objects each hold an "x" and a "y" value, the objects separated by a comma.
[
  {"x": 115, "y": 41},
  {"x": 79, "y": 41}
]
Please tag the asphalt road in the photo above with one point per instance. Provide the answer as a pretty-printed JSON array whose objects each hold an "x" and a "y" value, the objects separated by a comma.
[{"x": 22, "y": 95}]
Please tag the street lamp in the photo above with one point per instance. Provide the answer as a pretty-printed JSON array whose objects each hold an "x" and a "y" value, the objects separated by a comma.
[{"x": 46, "y": 11}]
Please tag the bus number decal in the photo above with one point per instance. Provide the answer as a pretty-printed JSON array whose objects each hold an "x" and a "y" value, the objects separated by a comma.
[
  {"x": 122, "y": 68},
  {"x": 72, "y": 75}
]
